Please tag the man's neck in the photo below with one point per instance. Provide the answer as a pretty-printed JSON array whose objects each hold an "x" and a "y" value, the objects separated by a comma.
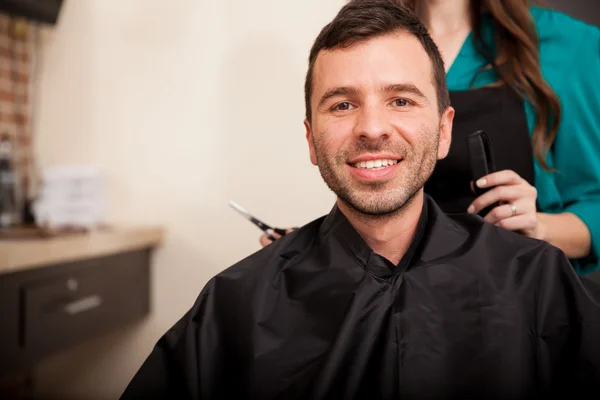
[
  {"x": 445, "y": 17},
  {"x": 389, "y": 236}
]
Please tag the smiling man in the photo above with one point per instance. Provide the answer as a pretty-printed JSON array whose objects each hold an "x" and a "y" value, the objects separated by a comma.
[
  {"x": 381, "y": 120},
  {"x": 385, "y": 297}
]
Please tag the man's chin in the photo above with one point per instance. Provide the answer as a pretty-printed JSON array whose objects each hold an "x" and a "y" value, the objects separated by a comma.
[
  {"x": 378, "y": 206},
  {"x": 373, "y": 208}
]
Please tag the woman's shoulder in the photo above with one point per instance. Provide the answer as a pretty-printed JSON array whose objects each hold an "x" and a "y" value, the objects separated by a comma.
[
  {"x": 561, "y": 32},
  {"x": 564, "y": 43}
]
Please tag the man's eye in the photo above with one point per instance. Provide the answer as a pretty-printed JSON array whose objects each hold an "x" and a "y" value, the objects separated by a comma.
[
  {"x": 342, "y": 106},
  {"x": 401, "y": 102}
]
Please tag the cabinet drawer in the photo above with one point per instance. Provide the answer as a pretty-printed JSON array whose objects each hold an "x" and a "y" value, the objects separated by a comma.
[{"x": 68, "y": 308}]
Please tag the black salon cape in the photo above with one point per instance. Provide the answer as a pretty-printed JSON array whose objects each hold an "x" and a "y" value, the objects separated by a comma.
[{"x": 471, "y": 310}]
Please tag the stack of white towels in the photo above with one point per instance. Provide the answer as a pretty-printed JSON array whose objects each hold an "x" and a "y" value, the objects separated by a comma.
[{"x": 71, "y": 196}]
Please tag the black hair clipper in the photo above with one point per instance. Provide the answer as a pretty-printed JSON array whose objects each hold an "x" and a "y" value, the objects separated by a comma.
[{"x": 481, "y": 162}]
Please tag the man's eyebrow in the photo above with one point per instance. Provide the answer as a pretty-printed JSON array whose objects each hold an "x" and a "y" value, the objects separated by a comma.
[
  {"x": 337, "y": 91},
  {"x": 390, "y": 88},
  {"x": 404, "y": 88}
]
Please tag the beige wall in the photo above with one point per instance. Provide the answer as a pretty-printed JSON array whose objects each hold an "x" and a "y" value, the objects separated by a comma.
[{"x": 186, "y": 104}]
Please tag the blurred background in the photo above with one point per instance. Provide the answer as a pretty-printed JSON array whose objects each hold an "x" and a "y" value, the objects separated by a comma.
[{"x": 142, "y": 119}]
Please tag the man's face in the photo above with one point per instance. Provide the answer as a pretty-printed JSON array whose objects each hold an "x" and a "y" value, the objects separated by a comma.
[{"x": 376, "y": 133}]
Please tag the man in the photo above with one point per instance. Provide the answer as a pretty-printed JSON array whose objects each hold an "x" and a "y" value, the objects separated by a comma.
[{"x": 386, "y": 297}]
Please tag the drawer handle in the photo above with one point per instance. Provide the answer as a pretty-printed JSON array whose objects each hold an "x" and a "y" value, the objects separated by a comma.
[{"x": 82, "y": 305}]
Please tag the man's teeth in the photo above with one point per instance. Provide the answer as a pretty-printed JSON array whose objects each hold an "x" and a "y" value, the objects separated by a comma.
[{"x": 374, "y": 163}]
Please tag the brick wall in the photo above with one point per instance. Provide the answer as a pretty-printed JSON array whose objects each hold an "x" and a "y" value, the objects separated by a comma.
[{"x": 16, "y": 51}]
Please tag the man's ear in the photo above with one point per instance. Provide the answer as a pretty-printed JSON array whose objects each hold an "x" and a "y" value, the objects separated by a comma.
[
  {"x": 311, "y": 145},
  {"x": 445, "y": 132}
]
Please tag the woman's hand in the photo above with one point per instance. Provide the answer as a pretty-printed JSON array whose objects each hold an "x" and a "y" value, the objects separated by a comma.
[
  {"x": 265, "y": 241},
  {"x": 517, "y": 210}
]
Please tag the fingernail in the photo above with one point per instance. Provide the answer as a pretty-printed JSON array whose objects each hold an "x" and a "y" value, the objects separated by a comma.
[
  {"x": 482, "y": 182},
  {"x": 471, "y": 209}
]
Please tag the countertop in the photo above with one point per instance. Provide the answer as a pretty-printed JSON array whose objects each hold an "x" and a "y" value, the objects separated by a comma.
[{"x": 21, "y": 254}]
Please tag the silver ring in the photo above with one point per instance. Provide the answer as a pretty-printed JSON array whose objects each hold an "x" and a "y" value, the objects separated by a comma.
[{"x": 514, "y": 209}]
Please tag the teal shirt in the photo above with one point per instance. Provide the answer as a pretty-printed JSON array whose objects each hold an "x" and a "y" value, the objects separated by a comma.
[{"x": 570, "y": 62}]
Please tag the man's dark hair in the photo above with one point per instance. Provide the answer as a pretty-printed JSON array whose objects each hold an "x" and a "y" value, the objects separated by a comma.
[{"x": 362, "y": 20}]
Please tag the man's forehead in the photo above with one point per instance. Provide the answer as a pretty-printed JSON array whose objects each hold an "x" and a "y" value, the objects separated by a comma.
[{"x": 395, "y": 56}]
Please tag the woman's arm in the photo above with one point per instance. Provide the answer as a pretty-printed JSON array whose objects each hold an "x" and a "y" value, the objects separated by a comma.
[
  {"x": 517, "y": 212},
  {"x": 576, "y": 156},
  {"x": 567, "y": 232}
]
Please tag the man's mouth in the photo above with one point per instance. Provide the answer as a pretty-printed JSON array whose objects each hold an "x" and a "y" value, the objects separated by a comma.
[{"x": 374, "y": 164}]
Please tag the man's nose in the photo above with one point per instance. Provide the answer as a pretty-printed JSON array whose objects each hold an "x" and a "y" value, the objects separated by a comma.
[{"x": 372, "y": 122}]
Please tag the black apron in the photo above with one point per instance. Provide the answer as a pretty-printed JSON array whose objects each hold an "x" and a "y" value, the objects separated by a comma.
[{"x": 500, "y": 112}]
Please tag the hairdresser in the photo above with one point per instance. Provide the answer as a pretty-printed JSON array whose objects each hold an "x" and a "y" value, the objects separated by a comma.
[{"x": 530, "y": 78}]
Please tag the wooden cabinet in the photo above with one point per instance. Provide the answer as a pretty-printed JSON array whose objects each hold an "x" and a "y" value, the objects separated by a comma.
[{"x": 47, "y": 309}]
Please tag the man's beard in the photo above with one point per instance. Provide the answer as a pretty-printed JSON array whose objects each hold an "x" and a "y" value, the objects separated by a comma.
[{"x": 380, "y": 199}]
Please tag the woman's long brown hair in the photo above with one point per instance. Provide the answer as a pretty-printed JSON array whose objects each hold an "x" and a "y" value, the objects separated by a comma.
[{"x": 517, "y": 63}]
